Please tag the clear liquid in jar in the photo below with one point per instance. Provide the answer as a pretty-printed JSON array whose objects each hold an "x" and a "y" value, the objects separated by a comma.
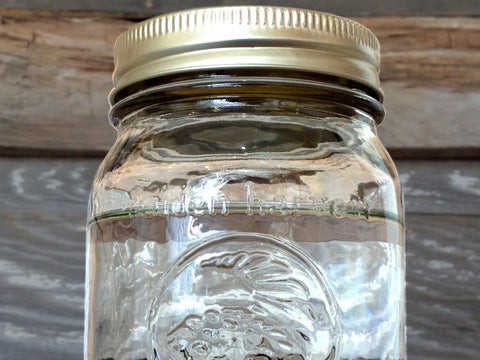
[{"x": 245, "y": 287}]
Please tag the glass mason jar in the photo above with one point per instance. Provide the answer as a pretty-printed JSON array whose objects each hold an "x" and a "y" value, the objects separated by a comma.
[{"x": 247, "y": 209}]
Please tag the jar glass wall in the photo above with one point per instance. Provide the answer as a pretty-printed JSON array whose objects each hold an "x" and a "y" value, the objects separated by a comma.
[{"x": 246, "y": 214}]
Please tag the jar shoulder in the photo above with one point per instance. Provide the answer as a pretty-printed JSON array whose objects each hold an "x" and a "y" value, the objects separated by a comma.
[{"x": 359, "y": 177}]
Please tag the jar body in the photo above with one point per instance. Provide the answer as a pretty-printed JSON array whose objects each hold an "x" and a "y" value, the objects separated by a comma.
[{"x": 246, "y": 227}]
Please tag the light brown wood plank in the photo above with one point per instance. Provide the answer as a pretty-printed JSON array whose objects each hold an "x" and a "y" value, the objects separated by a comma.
[
  {"x": 428, "y": 49},
  {"x": 43, "y": 212},
  {"x": 346, "y": 8},
  {"x": 430, "y": 122},
  {"x": 56, "y": 75},
  {"x": 55, "y": 79},
  {"x": 432, "y": 85}
]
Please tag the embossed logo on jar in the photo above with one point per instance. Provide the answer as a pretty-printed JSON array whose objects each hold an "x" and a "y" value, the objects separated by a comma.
[{"x": 244, "y": 297}]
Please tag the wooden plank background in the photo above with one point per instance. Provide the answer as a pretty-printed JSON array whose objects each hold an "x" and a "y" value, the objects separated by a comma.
[
  {"x": 147, "y": 8},
  {"x": 55, "y": 74},
  {"x": 42, "y": 218},
  {"x": 430, "y": 74}
]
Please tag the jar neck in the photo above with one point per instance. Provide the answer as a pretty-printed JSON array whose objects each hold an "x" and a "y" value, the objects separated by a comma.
[{"x": 239, "y": 91}]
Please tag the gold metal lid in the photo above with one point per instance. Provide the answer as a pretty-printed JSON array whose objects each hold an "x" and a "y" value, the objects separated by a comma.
[{"x": 243, "y": 37}]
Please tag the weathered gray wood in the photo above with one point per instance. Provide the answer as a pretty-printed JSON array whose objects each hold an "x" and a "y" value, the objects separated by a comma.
[
  {"x": 56, "y": 75},
  {"x": 347, "y": 8},
  {"x": 41, "y": 285},
  {"x": 42, "y": 222},
  {"x": 443, "y": 287},
  {"x": 43, "y": 209},
  {"x": 430, "y": 187},
  {"x": 441, "y": 187}
]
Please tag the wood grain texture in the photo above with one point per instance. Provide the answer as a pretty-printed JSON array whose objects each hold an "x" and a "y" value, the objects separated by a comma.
[
  {"x": 56, "y": 75},
  {"x": 134, "y": 8},
  {"x": 42, "y": 242},
  {"x": 43, "y": 209},
  {"x": 441, "y": 187},
  {"x": 55, "y": 79},
  {"x": 443, "y": 287}
]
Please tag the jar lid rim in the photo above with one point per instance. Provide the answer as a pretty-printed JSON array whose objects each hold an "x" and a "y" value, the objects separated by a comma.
[{"x": 243, "y": 37}]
